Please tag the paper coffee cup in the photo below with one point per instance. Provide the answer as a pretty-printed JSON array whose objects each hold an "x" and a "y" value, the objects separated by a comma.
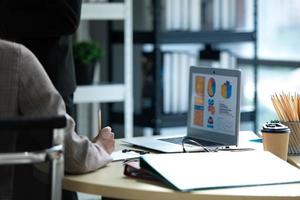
[{"x": 276, "y": 139}]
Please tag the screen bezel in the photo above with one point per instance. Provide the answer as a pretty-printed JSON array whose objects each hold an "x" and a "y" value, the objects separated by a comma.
[{"x": 213, "y": 136}]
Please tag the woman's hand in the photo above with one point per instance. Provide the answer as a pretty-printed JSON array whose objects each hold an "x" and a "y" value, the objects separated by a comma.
[{"x": 106, "y": 139}]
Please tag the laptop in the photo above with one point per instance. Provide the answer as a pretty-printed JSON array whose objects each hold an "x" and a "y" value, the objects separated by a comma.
[{"x": 213, "y": 117}]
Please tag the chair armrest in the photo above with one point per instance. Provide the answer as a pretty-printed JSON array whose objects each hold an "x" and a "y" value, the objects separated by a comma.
[{"x": 31, "y": 157}]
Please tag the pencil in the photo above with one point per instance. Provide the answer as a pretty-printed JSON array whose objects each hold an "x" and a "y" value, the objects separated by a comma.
[
  {"x": 287, "y": 107},
  {"x": 99, "y": 119}
]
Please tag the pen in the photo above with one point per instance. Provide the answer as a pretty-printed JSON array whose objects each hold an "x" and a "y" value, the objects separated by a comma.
[{"x": 136, "y": 151}]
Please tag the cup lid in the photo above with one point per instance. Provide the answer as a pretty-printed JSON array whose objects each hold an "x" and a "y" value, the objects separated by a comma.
[{"x": 275, "y": 128}]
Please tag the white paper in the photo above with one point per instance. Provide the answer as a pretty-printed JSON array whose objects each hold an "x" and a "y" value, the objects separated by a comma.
[{"x": 119, "y": 155}]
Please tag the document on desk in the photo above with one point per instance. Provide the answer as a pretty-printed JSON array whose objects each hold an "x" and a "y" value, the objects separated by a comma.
[
  {"x": 120, "y": 155},
  {"x": 191, "y": 171}
]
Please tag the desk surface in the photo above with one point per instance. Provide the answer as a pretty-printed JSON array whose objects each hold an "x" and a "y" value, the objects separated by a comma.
[{"x": 110, "y": 182}]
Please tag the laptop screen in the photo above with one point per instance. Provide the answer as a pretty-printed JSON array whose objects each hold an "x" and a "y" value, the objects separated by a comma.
[{"x": 214, "y": 104}]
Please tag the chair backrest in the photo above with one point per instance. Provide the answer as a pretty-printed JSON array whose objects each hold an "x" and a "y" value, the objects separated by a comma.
[{"x": 31, "y": 157}]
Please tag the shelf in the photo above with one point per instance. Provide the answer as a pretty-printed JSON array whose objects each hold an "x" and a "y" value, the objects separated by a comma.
[
  {"x": 268, "y": 62},
  {"x": 157, "y": 37},
  {"x": 111, "y": 93},
  {"x": 211, "y": 37},
  {"x": 183, "y": 37},
  {"x": 103, "y": 11},
  {"x": 99, "y": 93}
]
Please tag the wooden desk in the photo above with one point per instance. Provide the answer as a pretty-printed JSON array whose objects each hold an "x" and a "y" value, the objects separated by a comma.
[
  {"x": 110, "y": 182},
  {"x": 294, "y": 160}
]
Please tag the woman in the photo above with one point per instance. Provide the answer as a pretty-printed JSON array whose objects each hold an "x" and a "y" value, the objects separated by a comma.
[{"x": 26, "y": 90}]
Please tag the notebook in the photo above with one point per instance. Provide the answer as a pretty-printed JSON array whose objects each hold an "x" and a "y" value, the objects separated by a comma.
[{"x": 213, "y": 116}]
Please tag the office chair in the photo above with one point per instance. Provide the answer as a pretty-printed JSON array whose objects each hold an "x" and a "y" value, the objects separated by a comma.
[{"x": 32, "y": 160}]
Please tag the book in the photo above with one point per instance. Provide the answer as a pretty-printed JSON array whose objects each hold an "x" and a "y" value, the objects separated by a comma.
[
  {"x": 227, "y": 60},
  {"x": 225, "y": 14},
  {"x": 175, "y": 95},
  {"x": 194, "y": 171},
  {"x": 146, "y": 81},
  {"x": 168, "y": 15},
  {"x": 195, "y": 15},
  {"x": 176, "y": 66},
  {"x": 228, "y": 14},
  {"x": 176, "y": 15},
  {"x": 183, "y": 82},
  {"x": 207, "y": 14},
  {"x": 167, "y": 91},
  {"x": 216, "y": 14},
  {"x": 142, "y": 20},
  {"x": 184, "y": 23}
]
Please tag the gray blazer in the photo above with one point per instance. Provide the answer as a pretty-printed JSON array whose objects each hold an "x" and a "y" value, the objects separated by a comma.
[{"x": 26, "y": 90}]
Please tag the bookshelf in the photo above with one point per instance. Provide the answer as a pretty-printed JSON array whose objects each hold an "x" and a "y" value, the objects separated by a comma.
[
  {"x": 154, "y": 116},
  {"x": 183, "y": 37},
  {"x": 108, "y": 93}
]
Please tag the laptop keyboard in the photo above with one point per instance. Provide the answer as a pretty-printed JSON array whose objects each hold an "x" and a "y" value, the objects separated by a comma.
[
  {"x": 178, "y": 140},
  {"x": 175, "y": 140}
]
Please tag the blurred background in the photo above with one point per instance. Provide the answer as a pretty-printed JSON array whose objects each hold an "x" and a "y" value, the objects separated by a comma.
[{"x": 260, "y": 37}]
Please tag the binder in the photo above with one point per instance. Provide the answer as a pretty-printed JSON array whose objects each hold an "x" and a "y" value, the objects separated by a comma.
[
  {"x": 132, "y": 169},
  {"x": 194, "y": 171}
]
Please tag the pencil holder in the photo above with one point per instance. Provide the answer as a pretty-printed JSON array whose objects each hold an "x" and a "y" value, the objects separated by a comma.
[{"x": 294, "y": 140}]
